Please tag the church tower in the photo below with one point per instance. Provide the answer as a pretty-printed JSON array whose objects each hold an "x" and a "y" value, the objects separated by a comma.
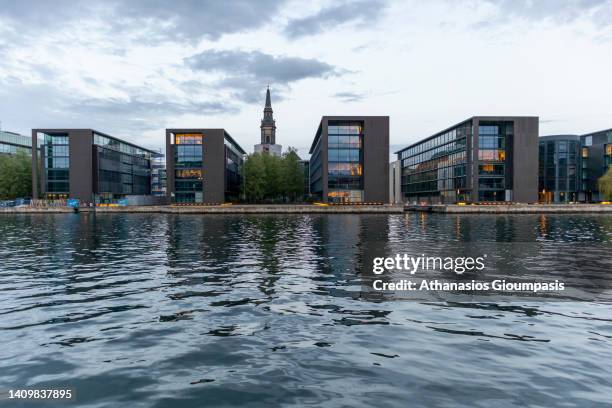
[{"x": 268, "y": 130}]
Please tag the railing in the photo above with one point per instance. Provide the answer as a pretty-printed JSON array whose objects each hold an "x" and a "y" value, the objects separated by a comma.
[{"x": 44, "y": 203}]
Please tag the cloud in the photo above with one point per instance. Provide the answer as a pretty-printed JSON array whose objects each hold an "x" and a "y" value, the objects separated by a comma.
[
  {"x": 146, "y": 20},
  {"x": 247, "y": 72},
  {"x": 345, "y": 13},
  {"x": 349, "y": 96},
  {"x": 560, "y": 11},
  {"x": 142, "y": 109}
]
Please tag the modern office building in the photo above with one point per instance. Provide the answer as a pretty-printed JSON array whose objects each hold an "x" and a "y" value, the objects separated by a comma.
[
  {"x": 268, "y": 131},
  {"x": 203, "y": 166},
  {"x": 395, "y": 182},
  {"x": 559, "y": 169},
  {"x": 596, "y": 157},
  {"x": 158, "y": 176},
  {"x": 90, "y": 166},
  {"x": 482, "y": 159},
  {"x": 571, "y": 166},
  {"x": 349, "y": 160},
  {"x": 11, "y": 143}
]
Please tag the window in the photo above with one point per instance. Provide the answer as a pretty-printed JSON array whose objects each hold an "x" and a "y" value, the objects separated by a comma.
[
  {"x": 585, "y": 152},
  {"x": 188, "y": 138},
  {"x": 491, "y": 155},
  {"x": 191, "y": 173},
  {"x": 57, "y": 163},
  {"x": 491, "y": 169}
]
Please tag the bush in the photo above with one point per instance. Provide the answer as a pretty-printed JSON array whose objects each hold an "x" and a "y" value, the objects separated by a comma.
[
  {"x": 15, "y": 176},
  {"x": 605, "y": 185}
]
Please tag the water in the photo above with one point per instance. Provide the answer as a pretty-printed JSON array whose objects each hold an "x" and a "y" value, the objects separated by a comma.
[{"x": 150, "y": 310}]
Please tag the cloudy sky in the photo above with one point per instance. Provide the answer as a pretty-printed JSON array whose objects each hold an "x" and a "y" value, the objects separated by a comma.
[{"x": 133, "y": 68}]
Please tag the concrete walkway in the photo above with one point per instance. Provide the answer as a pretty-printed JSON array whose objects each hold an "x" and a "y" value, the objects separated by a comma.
[{"x": 513, "y": 208}]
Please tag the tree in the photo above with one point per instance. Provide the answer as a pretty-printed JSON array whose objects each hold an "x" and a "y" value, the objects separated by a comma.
[
  {"x": 15, "y": 176},
  {"x": 273, "y": 177},
  {"x": 293, "y": 176},
  {"x": 270, "y": 178},
  {"x": 605, "y": 185},
  {"x": 254, "y": 174}
]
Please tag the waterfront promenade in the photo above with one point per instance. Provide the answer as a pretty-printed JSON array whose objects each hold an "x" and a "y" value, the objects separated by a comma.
[{"x": 323, "y": 209}]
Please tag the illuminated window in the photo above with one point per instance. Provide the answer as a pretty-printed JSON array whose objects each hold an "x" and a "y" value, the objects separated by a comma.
[
  {"x": 492, "y": 155},
  {"x": 188, "y": 138},
  {"x": 189, "y": 173},
  {"x": 585, "y": 152}
]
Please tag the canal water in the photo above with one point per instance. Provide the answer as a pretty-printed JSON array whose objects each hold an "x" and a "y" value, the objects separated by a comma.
[{"x": 152, "y": 310}]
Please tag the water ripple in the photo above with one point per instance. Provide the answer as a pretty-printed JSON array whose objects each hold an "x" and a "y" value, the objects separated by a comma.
[{"x": 152, "y": 310}]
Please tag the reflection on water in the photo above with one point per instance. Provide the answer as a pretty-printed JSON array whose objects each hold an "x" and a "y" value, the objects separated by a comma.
[{"x": 188, "y": 311}]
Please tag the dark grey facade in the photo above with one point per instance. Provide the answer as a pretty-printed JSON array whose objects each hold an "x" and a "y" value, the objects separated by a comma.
[
  {"x": 482, "y": 159},
  {"x": 596, "y": 157},
  {"x": 203, "y": 166},
  {"x": 89, "y": 165},
  {"x": 571, "y": 166},
  {"x": 559, "y": 169},
  {"x": 350, "y": 160}
]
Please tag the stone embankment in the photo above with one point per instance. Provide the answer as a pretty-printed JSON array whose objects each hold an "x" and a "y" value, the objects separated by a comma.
[
  {"x": 223, "y": 209},
  {"x": 513, "y": 208}
]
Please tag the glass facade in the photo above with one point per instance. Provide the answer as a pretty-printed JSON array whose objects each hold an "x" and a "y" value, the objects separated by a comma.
[
  {"x": 468, "y": 162},
  {"x": 158, "y": 175},
  {"x": 233, "y": 171},
  {"x": 56, "y": 165},
  {"x": 559, "y": 169},
  {"x": 491, "y": 160},
  {"x": 123, "y": 169},
  {"x": 188, "y": 173},
  {"x": 435, "y": 169},
  {"x": 345, "y": 162},
  {"x": 11, "y": 143},
  {"x": 596, "y": 157},
  {"x": 316, "y": 168}
]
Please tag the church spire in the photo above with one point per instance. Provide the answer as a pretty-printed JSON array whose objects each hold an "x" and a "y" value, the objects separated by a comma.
[
  {"x": 268, "y": 101},
  {"x": 268, "y": 124}
]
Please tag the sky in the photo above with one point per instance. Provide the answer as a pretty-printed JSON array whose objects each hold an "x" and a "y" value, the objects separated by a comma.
[{"x": 133, "y": 68}]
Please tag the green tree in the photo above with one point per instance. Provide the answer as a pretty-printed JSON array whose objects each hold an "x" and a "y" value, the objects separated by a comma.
[
  {"x": 269, "y": 178},
  {"x": 254, "y": 174},
  {"x": 272, "y": 178},
  {"x": 15, "y": 176},
  {"x": 292, "y": 176},
  {"x": 605, "y": 185}
]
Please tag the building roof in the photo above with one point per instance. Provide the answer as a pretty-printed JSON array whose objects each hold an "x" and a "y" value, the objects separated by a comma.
[
  {"x": 559, "y": 137},
  {"x": 51, "y": 131},
  {"x": 599, "y": 131},
  {"x": 347, "y": 118},
  {"x": 492, "y": 118},
  {"x": 202, "y": 130}
]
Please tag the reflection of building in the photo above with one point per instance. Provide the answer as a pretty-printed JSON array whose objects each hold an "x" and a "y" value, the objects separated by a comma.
[
  {"x": 350, "y": 159},
  {"x": 571, "y": 165},
  {"x": 559, "y": 170},
  {"x": 89, "y": 165},
  {"x": 11, "y": 143},
  {"x": 596, "y": 155},
  {"x": 395, "y": 185},
  {"x": 203, "y": 166},
  {"x": 158, "y": 176},
  {"x": 480, "y": 159},
  {"x": 268, "y": 131}
]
